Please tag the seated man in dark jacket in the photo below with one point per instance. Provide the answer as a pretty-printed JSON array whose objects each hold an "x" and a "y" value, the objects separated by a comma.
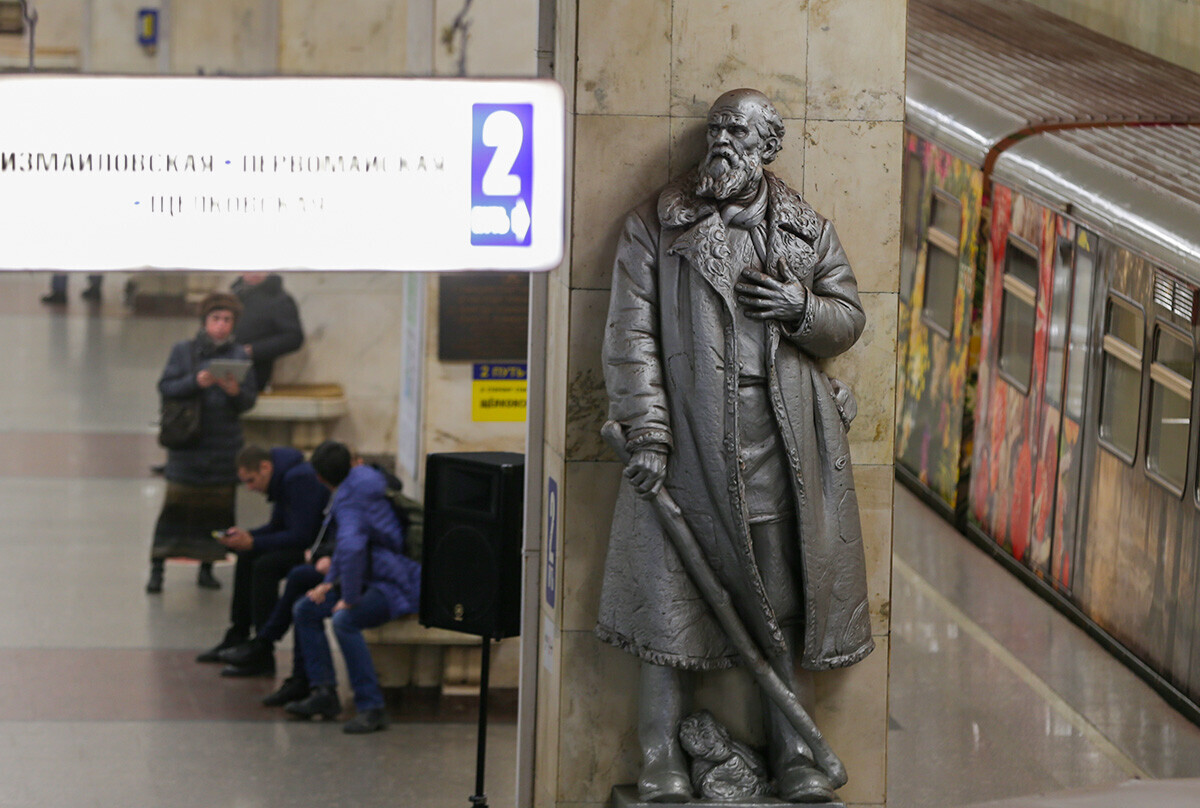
[
  {"x": 267, "y": 553},
  {"x": 297, "y": 584},
  {"x": 370, "y": 581}
]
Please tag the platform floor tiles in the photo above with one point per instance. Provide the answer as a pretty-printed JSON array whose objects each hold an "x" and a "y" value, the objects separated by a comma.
[{"x": 993, "y": 694}]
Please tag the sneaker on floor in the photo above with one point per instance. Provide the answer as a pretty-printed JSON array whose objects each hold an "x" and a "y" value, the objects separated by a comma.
[{"x": 366, "y": 721}]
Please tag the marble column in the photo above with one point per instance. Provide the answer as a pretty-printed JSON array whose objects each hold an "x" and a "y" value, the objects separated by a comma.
[{"x": 639, "y": 77}]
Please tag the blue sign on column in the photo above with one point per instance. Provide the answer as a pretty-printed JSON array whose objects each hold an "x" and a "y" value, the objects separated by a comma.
[
  {"x": 551, "y": 540},
  {"x": 501, "y": 174}
]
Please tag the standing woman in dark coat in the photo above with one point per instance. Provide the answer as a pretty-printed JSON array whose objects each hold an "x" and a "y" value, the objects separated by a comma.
[{"x": 202, "y": 478}]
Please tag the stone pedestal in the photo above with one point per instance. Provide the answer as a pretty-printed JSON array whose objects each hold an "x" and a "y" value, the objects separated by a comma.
[{"x": 627, "y": 797}]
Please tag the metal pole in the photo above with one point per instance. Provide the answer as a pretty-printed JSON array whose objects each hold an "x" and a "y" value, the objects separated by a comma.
[
  {"x": 31, "y": 17},
  {"x": 479, "y": 799}
]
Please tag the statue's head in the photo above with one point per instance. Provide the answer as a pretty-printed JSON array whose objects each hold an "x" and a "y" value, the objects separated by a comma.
[{"x": 744, "y": 134}]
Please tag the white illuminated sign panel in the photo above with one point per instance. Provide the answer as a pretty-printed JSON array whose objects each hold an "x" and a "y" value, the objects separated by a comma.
[{"x": 280, "y": 173}]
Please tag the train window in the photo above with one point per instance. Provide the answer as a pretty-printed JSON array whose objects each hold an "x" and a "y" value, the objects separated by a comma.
[
  {"x": 1059, "y": 304},
  {"x": 911, "y": 212},
  {"x": 1081, "y": 313},
  {"x": 1170, "y": 408},
  {"x": 1019, "y": 313},
  {"x": 1121, "y": 391},
  {"x": 946, "y": 215},
  {"x": 941, "y": 264}
]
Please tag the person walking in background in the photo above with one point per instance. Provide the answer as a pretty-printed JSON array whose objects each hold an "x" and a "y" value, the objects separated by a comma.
[
  {"x": 270, "y": 323},
  {"x": 58, "y": 289},
  {"x": 267, "y": 553},
  {"x": 202, "y": 477},
  {"x": 370, "y": 581}
]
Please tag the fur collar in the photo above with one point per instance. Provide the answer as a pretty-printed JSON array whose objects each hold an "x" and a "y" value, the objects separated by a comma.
[{"x": 679, "y": 206}]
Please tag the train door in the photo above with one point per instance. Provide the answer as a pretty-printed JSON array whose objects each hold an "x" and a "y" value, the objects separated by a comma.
[{"x": 1056, "y": 518}]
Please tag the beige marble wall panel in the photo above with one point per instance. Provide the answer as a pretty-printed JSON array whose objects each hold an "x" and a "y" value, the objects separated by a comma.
[
  {"x": 587, "y": 402},
  {"x": 852, "y": 177},
  {"x": 852, "y": 712},
  {"x": 557, "y": 328},
  {"x": 874, "y": 488},
  {"x": 598, "y": 724},
  {"x": 113, "y": 46},
  {"x": 719, "y": 46},
  {"x": 870, "y": 370},
  {"x": 448, "y": 423},
  {"x": 625, "y": 59},
  {"x": 343, "y": 37},
  {"x": 234, "y": 37},
  {"x": 502, "y": 38},
  {"x": 856, "y": 60},
  {"x": 619, "y": 162},
  {"x": 589, "y": 494}
]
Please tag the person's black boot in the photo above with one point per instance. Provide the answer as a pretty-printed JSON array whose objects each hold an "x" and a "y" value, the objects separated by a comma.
[
  {"x": 234, "y": 636},
  {"x": 248, "y": 653},
  {"x": 155, "y": 584},
  {"x": 205, "y": 578},
  {"x": 366, "y": 721},
  {"x": 255, "y": 658},
  {"x": 322, "y": 701},
  {"x": 294, "y": 688}
]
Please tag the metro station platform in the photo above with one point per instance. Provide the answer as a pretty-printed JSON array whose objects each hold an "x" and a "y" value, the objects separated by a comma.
[{"x": 994, "y": 695}]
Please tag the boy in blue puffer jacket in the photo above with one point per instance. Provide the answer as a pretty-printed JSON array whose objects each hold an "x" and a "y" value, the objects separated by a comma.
[{"x": 370, "y": 581}]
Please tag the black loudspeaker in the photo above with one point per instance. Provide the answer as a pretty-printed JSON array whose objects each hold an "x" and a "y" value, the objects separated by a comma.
[{"x": 471, "y": 559}]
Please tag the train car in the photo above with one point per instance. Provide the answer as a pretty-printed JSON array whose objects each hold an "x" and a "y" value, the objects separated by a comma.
[{"x": 1049, "y": 278}]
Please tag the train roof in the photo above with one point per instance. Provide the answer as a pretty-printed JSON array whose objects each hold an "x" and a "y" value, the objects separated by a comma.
[{"x": 1087, "y": 124}]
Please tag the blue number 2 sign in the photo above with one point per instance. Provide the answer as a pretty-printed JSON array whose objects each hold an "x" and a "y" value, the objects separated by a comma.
[{"x": 502, "y": 174}]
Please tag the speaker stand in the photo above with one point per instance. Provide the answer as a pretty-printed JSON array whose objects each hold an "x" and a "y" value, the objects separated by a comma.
[{"x": 479, "y": 799}]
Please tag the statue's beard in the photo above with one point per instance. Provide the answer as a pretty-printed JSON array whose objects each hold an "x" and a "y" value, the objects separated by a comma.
[{"x": 726, "y": 175}]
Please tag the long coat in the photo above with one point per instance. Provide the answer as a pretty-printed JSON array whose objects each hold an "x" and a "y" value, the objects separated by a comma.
[
  {"x": 671, "y": 372},
  {"x": 269, "y": 324},
  {"x": 211, "y": 460}
]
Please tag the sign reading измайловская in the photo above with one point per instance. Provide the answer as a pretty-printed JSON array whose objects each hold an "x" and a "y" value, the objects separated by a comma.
[{"x": 275, "y": 173}]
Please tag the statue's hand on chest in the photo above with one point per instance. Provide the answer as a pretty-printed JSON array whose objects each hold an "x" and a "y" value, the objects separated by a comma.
[{"x": 767, "y": 298}]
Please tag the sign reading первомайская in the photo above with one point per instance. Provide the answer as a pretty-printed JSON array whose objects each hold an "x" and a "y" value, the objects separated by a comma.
[{"x": 275, "y": 173}]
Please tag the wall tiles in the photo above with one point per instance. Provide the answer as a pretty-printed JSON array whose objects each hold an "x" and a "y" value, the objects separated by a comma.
[
  {"x": 856, "y": 60},
  {"x": 852, "y": 177},
  {"x": 619, "y": 162},
  {"x": 719, "y": 46},
  {"x": 625, "y": 58}
]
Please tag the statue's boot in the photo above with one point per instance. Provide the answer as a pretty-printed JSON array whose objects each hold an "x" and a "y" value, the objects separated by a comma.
[
  {"x": 661, "y": 704},
  {"x": 797, "y": 778},
  {"x": 799, "y": 782}
]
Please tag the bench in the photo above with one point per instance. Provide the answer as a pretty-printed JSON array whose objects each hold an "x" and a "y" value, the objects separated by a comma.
[
  {"x": 406, "y": 654},
  {"x": 299, "y": 415}
]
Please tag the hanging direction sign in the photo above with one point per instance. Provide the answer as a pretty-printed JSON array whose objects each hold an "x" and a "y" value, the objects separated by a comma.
[{"x": 100, "y": 172}]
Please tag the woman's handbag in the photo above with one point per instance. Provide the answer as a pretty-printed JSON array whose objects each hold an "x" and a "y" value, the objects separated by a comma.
[
  {"x": 179, "y": 418},
  {"x": 179, "y": 422}
]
